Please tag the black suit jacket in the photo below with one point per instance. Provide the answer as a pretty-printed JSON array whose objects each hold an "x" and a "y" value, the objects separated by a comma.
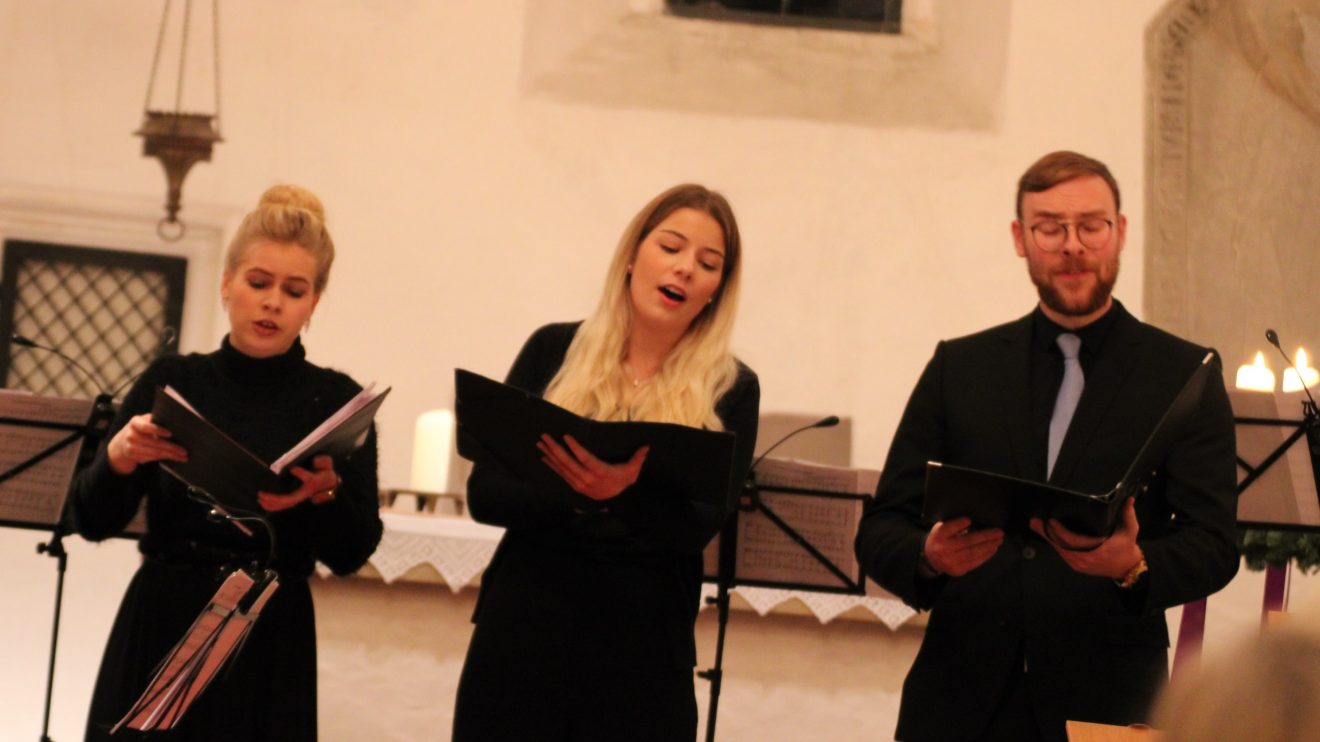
[{"x": 1094, "y": 652}]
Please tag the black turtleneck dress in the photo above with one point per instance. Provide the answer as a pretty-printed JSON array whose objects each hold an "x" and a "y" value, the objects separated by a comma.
[{"x": 267, "y": 405}]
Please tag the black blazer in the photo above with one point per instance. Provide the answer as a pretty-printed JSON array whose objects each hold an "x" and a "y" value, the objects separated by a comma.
[{"x": 1094, "y": 652}]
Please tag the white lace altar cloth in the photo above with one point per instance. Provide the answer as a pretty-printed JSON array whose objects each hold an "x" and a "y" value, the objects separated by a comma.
[
  {"x": 824, "y": 606},
  {"x": 459, "y": 549}
]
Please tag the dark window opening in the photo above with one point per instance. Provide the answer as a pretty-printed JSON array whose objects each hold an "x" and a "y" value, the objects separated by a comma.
[
  {"x": 881, "y": 16},
  {"x": 111, "y": 311}
]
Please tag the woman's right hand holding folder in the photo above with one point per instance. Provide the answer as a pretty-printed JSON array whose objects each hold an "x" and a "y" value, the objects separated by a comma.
[
  {"x": 585, "y": 473},
  {"x": 141, "y": 441}
]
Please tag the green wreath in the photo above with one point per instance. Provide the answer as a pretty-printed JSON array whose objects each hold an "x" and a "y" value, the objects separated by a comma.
[{"x": 1263, "y": 548}]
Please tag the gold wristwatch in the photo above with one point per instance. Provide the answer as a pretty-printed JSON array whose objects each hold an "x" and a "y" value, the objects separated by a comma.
[{"x": 1133, "y": 576}]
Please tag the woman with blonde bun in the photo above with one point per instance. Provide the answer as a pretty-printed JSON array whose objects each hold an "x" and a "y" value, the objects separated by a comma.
[
  {"x": 585, "y": 618},
  {"x": 260, "y": 389}
]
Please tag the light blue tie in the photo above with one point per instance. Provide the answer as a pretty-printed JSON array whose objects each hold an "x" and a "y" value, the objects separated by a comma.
[{"x": 1069, "y": 392}]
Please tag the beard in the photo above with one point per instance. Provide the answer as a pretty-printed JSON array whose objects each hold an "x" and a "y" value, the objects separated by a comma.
[{"x": 1072, "y": 304}]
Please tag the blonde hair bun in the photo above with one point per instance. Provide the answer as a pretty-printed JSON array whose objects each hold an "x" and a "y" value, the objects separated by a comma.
[
  {"x": 293, "y": 196},
  {"x": 290, "y": 214}
]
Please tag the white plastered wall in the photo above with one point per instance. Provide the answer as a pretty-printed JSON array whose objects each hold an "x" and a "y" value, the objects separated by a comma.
[{"x": 476, "y": 186}]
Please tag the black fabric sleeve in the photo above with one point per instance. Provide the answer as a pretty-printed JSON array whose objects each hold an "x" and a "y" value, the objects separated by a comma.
[
  {"x": 1197, "y": 553},
  {"x": 346, "y": 530},
  {"x": 892, "y": 533},
  {"x": 496, "y": 496},
  {"x": 102, "y": 502},
  {"x": 672, "y": 521}
]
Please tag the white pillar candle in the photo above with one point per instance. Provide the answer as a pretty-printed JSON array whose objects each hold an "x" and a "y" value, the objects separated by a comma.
[
  {"x": 433, "y": 449},
  {"x": 1257, "y": 377},
  {"x": 1309, "y": 375}
]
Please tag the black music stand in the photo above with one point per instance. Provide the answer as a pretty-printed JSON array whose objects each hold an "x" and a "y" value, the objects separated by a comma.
[
  {"x": 762, "y": 545},
  {"x": 1282, "y": 468},
  {"x": 1279, "y": 491},
  {"x": 82, "y": 438}
]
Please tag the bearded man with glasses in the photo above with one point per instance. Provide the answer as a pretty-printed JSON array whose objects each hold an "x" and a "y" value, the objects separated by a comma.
[{"x": 1029, "y": 628}]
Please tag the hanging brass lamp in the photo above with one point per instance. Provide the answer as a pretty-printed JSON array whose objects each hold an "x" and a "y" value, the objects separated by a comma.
[{"x": 179, "y": 139}]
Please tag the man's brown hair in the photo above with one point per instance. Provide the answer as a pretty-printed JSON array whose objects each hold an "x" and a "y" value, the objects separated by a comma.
[{"x": 1057, "y": 167}]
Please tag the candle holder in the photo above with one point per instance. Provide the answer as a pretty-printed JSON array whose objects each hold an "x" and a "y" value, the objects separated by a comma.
[{"x": 421, "y": 502}]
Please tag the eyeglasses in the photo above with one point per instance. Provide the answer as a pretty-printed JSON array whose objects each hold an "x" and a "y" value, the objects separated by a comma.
[{"x": 1051, "y": 235}]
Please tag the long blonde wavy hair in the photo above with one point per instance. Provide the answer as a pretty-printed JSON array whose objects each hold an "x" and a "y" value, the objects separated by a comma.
[{"x": 698, "y": 370}]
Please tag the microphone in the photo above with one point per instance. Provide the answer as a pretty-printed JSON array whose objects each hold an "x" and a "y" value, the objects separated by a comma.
[
  {"x": 103, "y": 405},
  {"x": 168, "y": 337},
  {"x": 164, "y": 345},
  {"x": 1273, "y": 338},
  {"x": 824, "y": 422},
  {"x": 749, "y": 486},
  {"x": 27, "y": 342}
]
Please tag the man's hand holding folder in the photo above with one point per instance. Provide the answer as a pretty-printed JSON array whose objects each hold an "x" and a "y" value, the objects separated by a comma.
[
  {"x": 953, "y": 548},
  {"x": 1081, "y": 520},
  {"x": 1111, "y": 557}
]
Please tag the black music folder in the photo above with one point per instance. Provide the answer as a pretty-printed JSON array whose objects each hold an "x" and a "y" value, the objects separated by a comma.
[
  {"x": 1001, "y": 501},
  {"x": 499, "y": 424},
  {"x": 233, "y": 475}
]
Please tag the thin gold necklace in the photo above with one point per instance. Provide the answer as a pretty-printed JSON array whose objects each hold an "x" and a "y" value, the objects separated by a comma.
[{"x": 637, "y": 381}]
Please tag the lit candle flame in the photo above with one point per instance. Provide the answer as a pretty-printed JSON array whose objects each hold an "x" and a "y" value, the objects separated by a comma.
[
  {"x": 1257, "y": 377},
  {"x": 1309, "y": 375}
]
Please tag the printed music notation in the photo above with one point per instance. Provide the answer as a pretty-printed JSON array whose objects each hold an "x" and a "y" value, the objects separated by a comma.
[
  {"x": 36, "y": 495},
  {"x": 792, "y": 474},
  {"x": 767, "y": 553},
  {"x": 825, "y": 514}
]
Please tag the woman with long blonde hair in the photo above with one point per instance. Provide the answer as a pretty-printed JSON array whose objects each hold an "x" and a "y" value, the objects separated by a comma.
[{"x": 584, "y": 623}]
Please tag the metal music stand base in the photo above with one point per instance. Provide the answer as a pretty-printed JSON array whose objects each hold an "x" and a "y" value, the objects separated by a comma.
[{"x": 727, "y": 579}]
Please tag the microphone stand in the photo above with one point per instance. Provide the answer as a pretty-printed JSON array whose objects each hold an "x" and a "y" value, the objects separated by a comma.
[
  {"x": 725, "y": 579},
  {"x": 1276, "y": 578},
  {"x": 53, "y": 548},
  {"x": 1308, "y": 426},
  {"x": 723, "y": 584},
  {"x": 103, "y": 411}
]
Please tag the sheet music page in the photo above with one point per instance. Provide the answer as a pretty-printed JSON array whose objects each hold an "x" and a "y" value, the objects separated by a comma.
[
  {"x": 350, "y": 408},
  {"x": 37, "y": 495},
  {"x": 793, "y": 474},
  {"x": 826, "y": 516},
  {"x": 766, "y": 553}
]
